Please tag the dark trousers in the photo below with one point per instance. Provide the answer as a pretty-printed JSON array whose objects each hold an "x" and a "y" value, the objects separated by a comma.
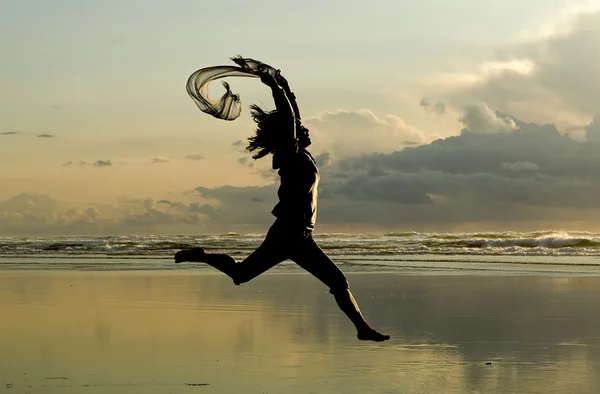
[{"x": 287, "y": 242}]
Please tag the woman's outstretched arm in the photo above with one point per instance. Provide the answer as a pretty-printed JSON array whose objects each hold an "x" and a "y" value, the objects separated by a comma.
[
  {"x": 281, "y": 81},
  {"x": 284, "y": 110}
]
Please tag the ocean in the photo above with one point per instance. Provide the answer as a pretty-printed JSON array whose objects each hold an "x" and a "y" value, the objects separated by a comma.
[{"x": 545, "y": 252}]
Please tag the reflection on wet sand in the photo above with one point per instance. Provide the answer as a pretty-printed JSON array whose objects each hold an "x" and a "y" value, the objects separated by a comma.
[{"x": 157, "y": 332}]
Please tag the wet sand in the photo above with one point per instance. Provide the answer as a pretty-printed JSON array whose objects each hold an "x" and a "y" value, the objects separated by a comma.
[{"x": 184, "y": 332}]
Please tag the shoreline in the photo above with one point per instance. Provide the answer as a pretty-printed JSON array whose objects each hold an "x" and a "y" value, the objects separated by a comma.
[{"x": 403, "y": 268}]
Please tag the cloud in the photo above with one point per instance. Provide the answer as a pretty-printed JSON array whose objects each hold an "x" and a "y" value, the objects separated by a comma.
[
  {"x": 245, "y": 162},
  {"x": 490, "y": 69},
  {"x": 239, "y": 146},
  {"x": 592, "y": 131},
  {"x": 486, "y": 150},
  {"x": 437, "y": 108},
  {"x": 552, "y": 78},
  {"x": 102, "y": 163},
  {"x": 235, "y": 208},
  {"x": 323, "y": 159},
  {"x": 378, "y": 187},
  {"x": 97, "y": 163},
  {"x": 519, "y": 166},
  {"x": 19, "y": 133},
  {"x": 349, "y": 133},
  {"x": 160, "y": 160},
  {"x": 31, "y": 214},
  {"x": 561, "y": 23},
  {"x": 172, "y": 204},
  {"x": 478, "y": 117},
  {"x": 32, "y": 202},
  {"x": 532, "y": 165},
  {"x": 194, "y": 157}
]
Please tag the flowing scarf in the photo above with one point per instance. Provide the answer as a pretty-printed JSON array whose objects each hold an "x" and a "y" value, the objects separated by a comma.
[{"x": 229, "y": 106}]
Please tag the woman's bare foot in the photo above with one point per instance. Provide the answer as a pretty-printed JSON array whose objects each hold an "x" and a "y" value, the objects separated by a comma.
[
  {"x": 196, "y": 255},
  {"x": 372, "y": 335}
]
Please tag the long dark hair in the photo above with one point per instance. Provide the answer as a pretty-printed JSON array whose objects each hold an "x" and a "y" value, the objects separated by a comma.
[{"x": 266, "y": 138}]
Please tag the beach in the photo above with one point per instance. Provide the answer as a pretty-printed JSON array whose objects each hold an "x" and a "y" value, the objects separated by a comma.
[{"x": 184, "y": 331}]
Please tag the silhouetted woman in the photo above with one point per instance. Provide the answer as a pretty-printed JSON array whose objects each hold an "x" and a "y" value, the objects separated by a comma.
[{"x": 281, "y": 133}]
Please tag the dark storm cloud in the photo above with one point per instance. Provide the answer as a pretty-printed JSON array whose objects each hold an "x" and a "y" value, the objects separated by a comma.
[
  {"x": 380, "y": 188},
  {"x": 45, "y": 136},
  {"x": 375, "y": 172},
  {"x": 521, "y": 166},
  {"x": 160, "y": 160},
  {"x": 481, "y": 152},
  {"x": 424, "y": 186},
  {"x": 10, "y": 133}
]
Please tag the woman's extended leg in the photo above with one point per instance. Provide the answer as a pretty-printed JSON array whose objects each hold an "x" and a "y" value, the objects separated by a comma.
[
  {"x": 309, "y": 256},
  {"x": 266, "y": 256},
  {"x": 222, "y": 262}
]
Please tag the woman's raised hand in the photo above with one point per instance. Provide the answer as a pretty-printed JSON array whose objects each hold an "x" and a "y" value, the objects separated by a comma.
[{"x": 281, "y": 80}]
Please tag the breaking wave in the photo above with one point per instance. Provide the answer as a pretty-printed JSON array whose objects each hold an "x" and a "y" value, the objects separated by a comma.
[{"x": 399, "y": 243}]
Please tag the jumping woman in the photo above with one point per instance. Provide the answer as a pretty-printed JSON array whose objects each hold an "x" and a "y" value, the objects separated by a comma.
[{"x": 281, "y": 133}]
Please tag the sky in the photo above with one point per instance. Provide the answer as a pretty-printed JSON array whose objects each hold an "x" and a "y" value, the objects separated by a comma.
[{"x": 430, "y": 115}]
